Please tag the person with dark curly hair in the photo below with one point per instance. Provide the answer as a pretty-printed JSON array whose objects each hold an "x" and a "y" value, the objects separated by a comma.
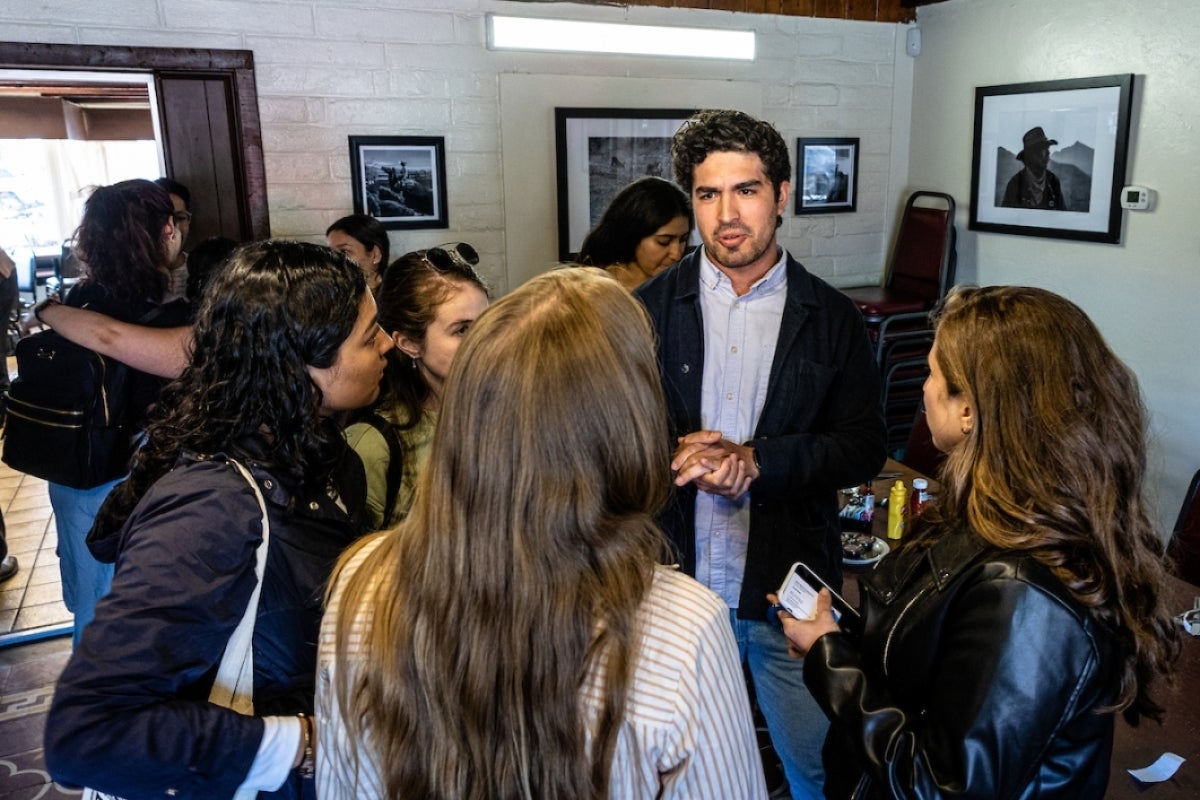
[
  {"x": 1027, "y": 605},
  {"x": 773, "y": 398},
  {"x": 364, "y": 240},
  {"x": 644, "y": 230},
  {"x": 286, "y": 338},
  {"x": 128, "y": 240}
]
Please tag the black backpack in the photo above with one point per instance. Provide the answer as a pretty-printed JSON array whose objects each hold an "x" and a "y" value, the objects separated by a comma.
[
  {"x": 395, "y": 470},
  {"x": 69, "y": 420}
]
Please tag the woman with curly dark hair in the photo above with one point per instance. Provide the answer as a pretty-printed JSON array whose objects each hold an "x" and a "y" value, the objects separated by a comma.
[
  {"x": 128, "y": 239},
  {"x": 644, "y": 230},
  {"x": 287, "y": 337},
  {"x": 1027, "y": 606}
]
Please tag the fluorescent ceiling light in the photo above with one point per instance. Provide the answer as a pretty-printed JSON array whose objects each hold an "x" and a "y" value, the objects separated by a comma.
[{"x": 529, "y": 33}]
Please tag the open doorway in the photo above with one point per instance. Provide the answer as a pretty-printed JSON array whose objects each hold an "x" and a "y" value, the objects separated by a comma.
[
  {"x": 61, "y": 134},
  {"x": 206, "y": 106}
]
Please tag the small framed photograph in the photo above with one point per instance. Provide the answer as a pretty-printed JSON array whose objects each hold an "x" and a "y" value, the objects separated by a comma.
[
  {"x": 1049, "y": 158},
  {"x": 826, "y": 175},
  {"x": 601, "y": 151},
  {"x": 400, "y": 180}
]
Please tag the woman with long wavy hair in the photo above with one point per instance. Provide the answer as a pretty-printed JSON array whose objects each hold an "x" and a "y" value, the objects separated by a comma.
[
  {"x": 1026, "y": 609},
  {"x": 513, "y": 638},
  {"x": 127, "y": 240},
  {"x": 286, "y": 338}
]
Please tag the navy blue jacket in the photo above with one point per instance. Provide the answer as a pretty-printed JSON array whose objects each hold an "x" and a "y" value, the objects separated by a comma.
[
  {"x": 821, "y": 426},
  {"x": 131, "y": 714}
]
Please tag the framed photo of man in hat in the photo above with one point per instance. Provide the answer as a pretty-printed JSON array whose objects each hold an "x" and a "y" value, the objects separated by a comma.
[{"x": 1049, "y": 158}]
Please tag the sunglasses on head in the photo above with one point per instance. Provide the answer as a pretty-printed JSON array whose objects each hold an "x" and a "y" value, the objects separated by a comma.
[{"x": 446, "y": 256}]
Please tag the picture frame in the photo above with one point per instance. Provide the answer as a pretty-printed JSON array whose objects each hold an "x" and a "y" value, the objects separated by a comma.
[
  {"x": 400, "y": 180},
  {"x": 599, "y": 151},
  {"x": 826, "y": 175},
  {"x": 1083, "y": 126}
]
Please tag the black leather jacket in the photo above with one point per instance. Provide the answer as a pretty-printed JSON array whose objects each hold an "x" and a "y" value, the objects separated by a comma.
[{"x": 977, "y": 675}]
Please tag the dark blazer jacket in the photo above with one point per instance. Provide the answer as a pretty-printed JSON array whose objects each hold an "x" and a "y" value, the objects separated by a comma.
[{"x": 821, "y": 426}]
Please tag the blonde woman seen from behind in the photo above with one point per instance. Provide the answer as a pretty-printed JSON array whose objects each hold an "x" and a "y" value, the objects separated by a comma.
[{"x": 514, "y": 638}]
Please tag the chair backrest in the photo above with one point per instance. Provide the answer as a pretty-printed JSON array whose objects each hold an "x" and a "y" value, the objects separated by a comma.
[
  {"x": 920, "y": 454},
  {"x": 924, "y": 258},
  {"x": 1185, "y": 546}
]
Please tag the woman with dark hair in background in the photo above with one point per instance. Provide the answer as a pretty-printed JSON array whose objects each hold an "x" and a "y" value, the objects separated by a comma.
[
  {"x": 644, "y": 230},
  {"x": 364, "y": 241},
  {"x": 287, "y": 337},
  {"x": 128, "y": 239},
  {"x": 513, "y": 638},
  {"x": 1027, "y": 605},
  {"x": 428, "y": 301}
]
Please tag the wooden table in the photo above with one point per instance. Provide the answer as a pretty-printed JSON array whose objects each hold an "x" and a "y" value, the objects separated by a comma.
[{"x": 1133, "y": 748}]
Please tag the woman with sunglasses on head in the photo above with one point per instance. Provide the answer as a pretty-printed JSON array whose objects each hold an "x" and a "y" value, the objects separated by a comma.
[
  {"x": 1026, "y": 607},
  {"x": 362, "y": 239},
  {"x": 427, "y": 302},
  {"x": 513, "y": 637},
  {"x": 242, "y": 449},
  {"x": 644, "y": 230}
]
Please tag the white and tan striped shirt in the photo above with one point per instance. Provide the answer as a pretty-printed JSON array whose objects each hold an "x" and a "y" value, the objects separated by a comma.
[{"x": 687, "y": 731}]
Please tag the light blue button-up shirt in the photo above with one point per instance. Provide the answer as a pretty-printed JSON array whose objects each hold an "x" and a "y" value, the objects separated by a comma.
[{"x": 739, "y": 346}]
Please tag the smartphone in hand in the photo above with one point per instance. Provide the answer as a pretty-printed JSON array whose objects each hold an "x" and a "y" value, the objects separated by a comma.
[{"x": 798, "y": 596}]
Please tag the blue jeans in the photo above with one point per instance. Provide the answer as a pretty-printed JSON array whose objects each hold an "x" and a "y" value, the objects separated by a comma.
[
  {"x": 84, "y": 579},
  {"x": 796, "y": 723}
]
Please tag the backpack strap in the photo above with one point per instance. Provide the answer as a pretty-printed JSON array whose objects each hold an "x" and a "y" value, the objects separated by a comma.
[{"x": 395, "y": 469}]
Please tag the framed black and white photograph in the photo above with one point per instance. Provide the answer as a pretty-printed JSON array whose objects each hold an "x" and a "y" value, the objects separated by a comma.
[
  {"x": 600, "y": 151},
  {"x": 826, "y": 175},
  {"x": 1049, "y": 158},
  {"x": 400, "y": 180}
]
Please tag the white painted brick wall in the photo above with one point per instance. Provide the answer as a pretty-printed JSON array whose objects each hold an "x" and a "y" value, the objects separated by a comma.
[{"x": 327, "y": 70}]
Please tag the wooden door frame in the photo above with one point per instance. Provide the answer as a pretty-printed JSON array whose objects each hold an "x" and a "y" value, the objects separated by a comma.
[{"x": 235, "y": 66}]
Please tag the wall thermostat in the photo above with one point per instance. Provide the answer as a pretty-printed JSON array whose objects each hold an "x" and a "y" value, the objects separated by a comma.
[
  {"x": 1136, "y": 198},
  {"x": 912, "y": 42}
]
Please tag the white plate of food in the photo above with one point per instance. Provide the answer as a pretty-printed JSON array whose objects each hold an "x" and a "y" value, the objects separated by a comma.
[{"x": 862, "y": 549}]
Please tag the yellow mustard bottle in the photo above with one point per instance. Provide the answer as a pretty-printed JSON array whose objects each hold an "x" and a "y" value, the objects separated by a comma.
[{"x": 897, "y": 510}]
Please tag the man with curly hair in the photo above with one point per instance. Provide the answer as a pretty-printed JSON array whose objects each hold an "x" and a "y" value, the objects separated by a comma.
[{"x": 773, "y": 399}]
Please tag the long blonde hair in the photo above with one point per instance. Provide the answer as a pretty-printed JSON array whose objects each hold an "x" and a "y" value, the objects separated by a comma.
[
  {"x": 522, "y": 564},
  {"x": 1054, "y": 464}
]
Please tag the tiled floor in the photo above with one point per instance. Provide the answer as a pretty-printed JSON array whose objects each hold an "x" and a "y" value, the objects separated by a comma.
[{"x": 33, "y": 597}]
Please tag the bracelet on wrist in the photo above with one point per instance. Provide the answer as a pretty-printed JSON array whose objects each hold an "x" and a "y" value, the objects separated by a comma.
[{"x": 308, "y": 762}]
